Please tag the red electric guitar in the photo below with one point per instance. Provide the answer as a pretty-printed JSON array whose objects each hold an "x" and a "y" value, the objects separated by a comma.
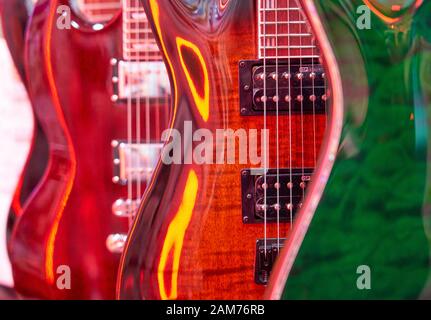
[
  {"x": 212, "y": 229},
  {"x": 100, "y": 92},
  {"x": 15, "y": 16}
]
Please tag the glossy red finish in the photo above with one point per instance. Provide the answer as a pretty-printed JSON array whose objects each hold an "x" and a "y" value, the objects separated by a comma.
[
  {"x": 15, "y": 16},
  {"x": 188, "y": 240},
  {"x": 69, "y": 216},
  {"x": 14, "y": 21}
]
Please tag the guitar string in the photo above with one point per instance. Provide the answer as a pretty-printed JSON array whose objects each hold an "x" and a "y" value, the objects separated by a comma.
[
  {"x": 264, "y": 126},
  {"x": 278, "y": 206},
  {"x": 290, "y": 205},
  {"x": 136, "y": 102},
  {"x": 138, "y": 87},
  {"x": 147, "y": 98},
  {"x": 128, "y": 35},
  {"x": 314, "y": 99},
  {"x": 302, "y": 183},
  {"x": 158, "y": 98}
]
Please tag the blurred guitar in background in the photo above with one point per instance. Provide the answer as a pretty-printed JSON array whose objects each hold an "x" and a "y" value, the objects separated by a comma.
[
  {"x": 16, "y": 121},
  {"x": 100, "y": 92},
  {"x": 15, "y": 17}
]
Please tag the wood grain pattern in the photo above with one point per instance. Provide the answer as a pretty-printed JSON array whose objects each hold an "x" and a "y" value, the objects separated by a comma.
[{"x": 217, "y": 254}]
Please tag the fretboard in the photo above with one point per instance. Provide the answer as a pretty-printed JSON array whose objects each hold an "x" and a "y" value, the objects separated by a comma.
[
  {"x": 99, "y": 10},
  {"x": 284, "y": 31},
  {"x": 139, "y": 43}
]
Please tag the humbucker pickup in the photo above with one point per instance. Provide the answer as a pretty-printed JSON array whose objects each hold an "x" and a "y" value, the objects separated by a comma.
[
  {"x": 265, "y": 259},
  {"x": 291, "y": 187},
  {"x": 301, "y": 87},
  {"x": 134, "y": 161},
  {"x": 139, "y": 79}
]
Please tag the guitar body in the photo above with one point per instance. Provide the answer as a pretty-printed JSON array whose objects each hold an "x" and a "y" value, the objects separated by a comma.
[
  {"x": 16, "y": 15},
  {"x": 68, "y": 218},
  {"x": 369, "y": 238},
  {"x": 189, "y": 240}
]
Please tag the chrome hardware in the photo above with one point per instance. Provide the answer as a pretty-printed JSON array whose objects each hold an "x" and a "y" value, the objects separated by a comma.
[
  {"x": 138, "y": 79},
  {"x": 115, "y": 242},
  {"x": 260, "y": 76},
  {"x": 286, "y": 75},
  {"x": 267, "y": 251},
  {"x": 125, "y": 208},
  {"x": 274, "y": 196},
  {"x": 134, "y": 161},
  {"x": 284, "y": 88}
]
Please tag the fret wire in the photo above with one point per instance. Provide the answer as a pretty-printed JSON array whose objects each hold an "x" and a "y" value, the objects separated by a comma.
[
  {"x": 138, "y": 44},
  {"x": 282, "y": 23},
  {"x": 288, "y": 34},
  {"x": 99, "y": 16},
  {"x": 266, "y": 42},
  {"x": 98, "y": 11},
  {"x": 290, "y": 47},
  {"x": 130, "y": 31},
  {"x": 138, "y": 50},
  {"x": 101, "y": 6},
  {"x": 134, "y": 20},
  {"x": 293, "y": 56},
  {"x": 278, "y": 9}
]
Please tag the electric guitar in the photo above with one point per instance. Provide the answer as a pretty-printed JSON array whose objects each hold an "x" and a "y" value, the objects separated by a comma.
[
  {"x": 15, "y": 16},
  {"x": 363, "y": 232},
  {"x": 249, "y": 113},
  {"x": 100, "y": 92},
  {"x": 15, "y": 120}
]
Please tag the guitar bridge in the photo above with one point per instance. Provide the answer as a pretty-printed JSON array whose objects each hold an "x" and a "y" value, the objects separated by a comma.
[{"x": 265, "y": 258}]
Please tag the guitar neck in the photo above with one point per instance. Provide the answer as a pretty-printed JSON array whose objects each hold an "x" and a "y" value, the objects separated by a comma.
[
  {"x": 283, "y": 31},
  {"x": 99, "y": 10},
  {"x": 139, "y": 43}
]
